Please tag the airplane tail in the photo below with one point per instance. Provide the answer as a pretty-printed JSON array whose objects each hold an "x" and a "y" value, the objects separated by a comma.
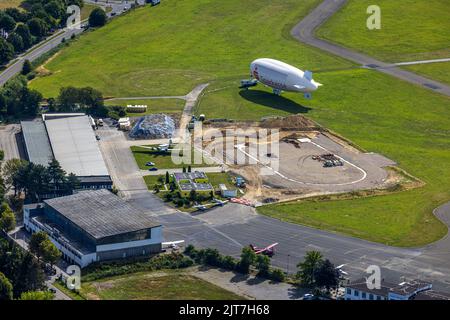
[{"x": 308, "y": 75}]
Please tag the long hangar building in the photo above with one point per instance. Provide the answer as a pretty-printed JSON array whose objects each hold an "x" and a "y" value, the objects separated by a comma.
[{"x": 70, "y": 139}]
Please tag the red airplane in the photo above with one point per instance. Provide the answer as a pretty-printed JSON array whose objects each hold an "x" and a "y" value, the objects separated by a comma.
[{"x": 269, "y": 250}]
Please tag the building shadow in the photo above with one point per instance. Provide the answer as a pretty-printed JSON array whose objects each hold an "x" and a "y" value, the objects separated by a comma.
[{"x": 273, "y": 101}]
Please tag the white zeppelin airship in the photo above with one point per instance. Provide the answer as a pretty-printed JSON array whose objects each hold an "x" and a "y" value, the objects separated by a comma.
[{"x": 281, "y": 77}]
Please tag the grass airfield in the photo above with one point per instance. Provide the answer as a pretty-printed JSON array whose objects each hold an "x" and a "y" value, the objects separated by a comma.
[
  {"x": 152, "y": 52},
  {"x": 411, "y": 30}
]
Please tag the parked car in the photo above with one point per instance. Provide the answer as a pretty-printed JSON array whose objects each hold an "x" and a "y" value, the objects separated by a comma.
[
  {"x": 153, "y": 169},
  {"x": 150, "y": 164},
  {"x": 97, "y": 137},
  {"x": 308, "y": 296}
]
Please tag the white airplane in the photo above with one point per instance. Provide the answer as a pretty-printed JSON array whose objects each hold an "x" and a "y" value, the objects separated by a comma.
[
  {"x": 281, "y": 77},
  {"x": 172, "y": 244},
  {"x": 339, "y": 268}
]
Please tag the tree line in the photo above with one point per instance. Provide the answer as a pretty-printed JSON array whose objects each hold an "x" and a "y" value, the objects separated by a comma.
[
  {"x": 21, "y": 29},
  {"x": 37, "y": 181}
]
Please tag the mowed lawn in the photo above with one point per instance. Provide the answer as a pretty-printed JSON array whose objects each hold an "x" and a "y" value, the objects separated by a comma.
[
  {"x": 153, "y": 105},
  {"x": 410, "y": 29},
  {"x": 153, "y": 52},
  {"x": 160, "y": 285},
  {"x": 436, "y": 71},
  {"x": 405, "y": 123},
  {"x": 9, "y": 4}
]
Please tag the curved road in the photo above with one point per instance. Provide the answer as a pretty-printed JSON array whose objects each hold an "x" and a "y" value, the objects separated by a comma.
[{"x": 304, "y": 32}]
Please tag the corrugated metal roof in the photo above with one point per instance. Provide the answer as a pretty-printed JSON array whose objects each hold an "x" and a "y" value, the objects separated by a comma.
[
  {"x": 101, "y": 213},
  {"x": 37, "y": 143},
  {"x": 75, "y": 146}
]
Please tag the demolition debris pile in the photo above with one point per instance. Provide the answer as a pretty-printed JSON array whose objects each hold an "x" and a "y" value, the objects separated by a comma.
[{"x": 154, "y": 126}]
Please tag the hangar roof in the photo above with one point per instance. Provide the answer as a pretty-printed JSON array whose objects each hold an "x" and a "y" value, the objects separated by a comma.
[
  {"x": 36, "y": 141},
  {"x": 100, "y": 213},
  {"x": 75, "y": 146}
]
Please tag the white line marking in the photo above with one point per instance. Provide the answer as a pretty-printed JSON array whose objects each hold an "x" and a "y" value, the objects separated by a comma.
[
  {"x": 422, "y": 62},
  {"x": 239, "y": 148}
]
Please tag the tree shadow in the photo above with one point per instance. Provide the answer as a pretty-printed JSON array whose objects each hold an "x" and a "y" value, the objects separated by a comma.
[{"x": 273, "y": 101}]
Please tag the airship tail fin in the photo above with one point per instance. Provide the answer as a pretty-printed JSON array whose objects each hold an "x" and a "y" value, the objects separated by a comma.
[{"x": 308, "y": 75}]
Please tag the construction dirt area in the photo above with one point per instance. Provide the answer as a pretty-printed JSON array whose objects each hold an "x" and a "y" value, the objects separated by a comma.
[{"x": 307, "y": 160}]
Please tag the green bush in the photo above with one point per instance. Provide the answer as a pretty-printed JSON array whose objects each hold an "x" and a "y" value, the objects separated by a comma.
[
  {"x": 276, "y": 275},
  {"x": 229, "y": 263},
  {"x": 116, "y": 268}
]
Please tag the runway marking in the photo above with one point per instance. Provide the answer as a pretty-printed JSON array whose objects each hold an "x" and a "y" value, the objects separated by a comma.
[
  {"x": 422, "y": 62},
  {"x": 239, "y": 148}
]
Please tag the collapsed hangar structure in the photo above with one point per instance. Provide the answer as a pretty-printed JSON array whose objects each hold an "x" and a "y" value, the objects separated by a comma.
[{"x": 70, "y": 139}]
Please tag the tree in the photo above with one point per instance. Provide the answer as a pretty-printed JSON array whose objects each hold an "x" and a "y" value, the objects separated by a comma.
[
  {"x": 50, "y": 253},
  {"x": 16, "y": 41},
  {"x": 37, "y": 295},
  {"x": 262, "y": 263},
  {"x": 6, "y": 288},
  {"x": 26, "y": 68},
  {"x": 55, "y": 9},
  {"x": 167, "y": 177},
  {"x": 307, "y": 268},
  {"x": 248, "y": 257},
  {"x": 7, "y": 23},
  {"x": 21, "y": 268},
  {"x": 36, "y": 243},
  {"x": 97, "y": 18},
  {"x": 7, "y": 220},
  {"x": 6, "y": 51},
  {"x": 327, "y": 276},
  {"x": 24, "y": 32},
  {"x": 16, "y": 14},
  {"x": 38, "y": 27}
]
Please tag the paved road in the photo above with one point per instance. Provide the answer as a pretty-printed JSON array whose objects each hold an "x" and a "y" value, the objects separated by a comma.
[
  {"x": 304, "y": 32},
  {"x": 9, "y": 136}
]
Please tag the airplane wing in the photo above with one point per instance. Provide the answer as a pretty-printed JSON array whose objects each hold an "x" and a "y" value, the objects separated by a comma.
[
  {"x": 260, "y": 251},
  {"x": 172, "y": 243},
  {"x": 271, "y": 246}
]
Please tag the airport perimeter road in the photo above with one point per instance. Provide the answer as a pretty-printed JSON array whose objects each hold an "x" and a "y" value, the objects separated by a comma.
[{"x": 304, "y": 32}]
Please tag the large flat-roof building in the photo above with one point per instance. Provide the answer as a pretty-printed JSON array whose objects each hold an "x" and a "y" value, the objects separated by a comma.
[
  {"x": 70, "y": 139},
  {"x": 95, "y": 225}
]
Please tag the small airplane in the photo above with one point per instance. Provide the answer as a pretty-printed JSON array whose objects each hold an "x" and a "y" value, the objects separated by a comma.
[
  {"x": 269, "y": 250},
  {"x": 201, "y": 207},
  {"x": 175, "y": 245},
  {"x": 220, "y": 202},
  {"x": 339, "y": 268}
]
